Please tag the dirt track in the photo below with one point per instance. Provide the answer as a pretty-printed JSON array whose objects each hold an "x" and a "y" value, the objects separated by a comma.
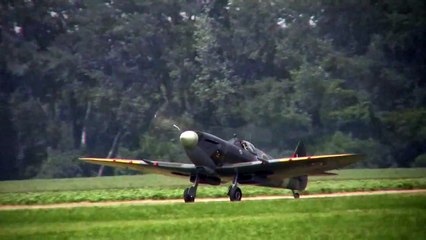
[{"x": 198, "y": 200}]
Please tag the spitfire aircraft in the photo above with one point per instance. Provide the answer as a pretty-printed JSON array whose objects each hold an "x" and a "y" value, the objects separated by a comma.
[{"x": 216, "y": 161}]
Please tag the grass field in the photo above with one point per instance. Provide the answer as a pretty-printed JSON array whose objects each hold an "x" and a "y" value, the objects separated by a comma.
[
  {"x": 160, "y": 187},
  {"x": 398, "y": 216},
  {"x": 150, "y": 180}
]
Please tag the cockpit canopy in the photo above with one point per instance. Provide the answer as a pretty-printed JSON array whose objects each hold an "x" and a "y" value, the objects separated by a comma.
[{"x": 250, "y": 147}]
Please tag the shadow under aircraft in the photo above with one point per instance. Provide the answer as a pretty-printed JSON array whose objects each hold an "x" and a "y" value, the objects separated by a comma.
[{"x": 216, "y": 161}]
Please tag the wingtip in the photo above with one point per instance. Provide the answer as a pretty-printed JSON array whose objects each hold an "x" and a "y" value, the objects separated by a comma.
[{"x": 86, "y": 158}]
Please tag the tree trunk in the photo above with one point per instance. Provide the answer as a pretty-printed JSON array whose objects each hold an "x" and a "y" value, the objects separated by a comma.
[
  {"x": 113, "y": 150},
  {"x": 83, "y": 129}
]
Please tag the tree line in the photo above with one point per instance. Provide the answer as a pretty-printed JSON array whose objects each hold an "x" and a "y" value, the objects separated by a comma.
[{"x": 111, "y": 78}]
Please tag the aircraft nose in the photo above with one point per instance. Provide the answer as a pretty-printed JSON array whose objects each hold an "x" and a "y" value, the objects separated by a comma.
[{"x": 189, "y": 139}]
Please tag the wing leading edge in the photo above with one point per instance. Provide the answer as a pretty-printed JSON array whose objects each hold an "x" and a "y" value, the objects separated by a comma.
[
  {"x": 295, "y": 166},
  {"x": 158, "y": 167},
  {"x": 280, "y": 167}
]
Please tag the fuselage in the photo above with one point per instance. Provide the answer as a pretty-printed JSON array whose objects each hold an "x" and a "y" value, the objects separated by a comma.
[
  {"x": 211, "y": 155},
  {"x": 207, "y": 150}
]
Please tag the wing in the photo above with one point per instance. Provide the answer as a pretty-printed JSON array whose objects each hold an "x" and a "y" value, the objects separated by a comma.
[
  {"x": 275, "y": 168},
  {"x": 293, "y": 166},
  {"x": 158, "y": 167}
]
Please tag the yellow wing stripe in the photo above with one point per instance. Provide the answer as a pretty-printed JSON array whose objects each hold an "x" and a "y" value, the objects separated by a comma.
[
  {"x": 139, "y": 165},
  {"x": 116, "y": 160},
  {"x": 289, "y": 159}
]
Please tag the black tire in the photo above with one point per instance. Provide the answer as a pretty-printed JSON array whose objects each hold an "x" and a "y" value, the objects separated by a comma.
[
  {"x": 187, "y": 197},
  {"x": 296, "y": 195},
  {"x": 235, "y": 194}
]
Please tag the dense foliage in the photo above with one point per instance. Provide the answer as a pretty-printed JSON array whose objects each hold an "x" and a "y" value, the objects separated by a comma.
[{"x": 105, "y": 78}]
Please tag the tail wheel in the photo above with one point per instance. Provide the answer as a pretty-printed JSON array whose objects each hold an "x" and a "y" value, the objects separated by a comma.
[
  {"x": 235, "y": 194},
  {"x": 296, "y": 195}
]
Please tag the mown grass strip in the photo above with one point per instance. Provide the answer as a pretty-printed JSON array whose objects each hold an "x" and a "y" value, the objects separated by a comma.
[{"x": 362, "y": 217}]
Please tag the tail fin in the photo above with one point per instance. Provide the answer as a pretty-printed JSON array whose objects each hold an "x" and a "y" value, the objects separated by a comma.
[
  {"x": 300, "y": 150},
  {"x": 300, "y": 182}
]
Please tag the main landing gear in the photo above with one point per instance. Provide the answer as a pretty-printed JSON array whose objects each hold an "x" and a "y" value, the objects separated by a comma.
[
  {"x": 234, "y": 192},
  {"x": 190, "y": 193}
]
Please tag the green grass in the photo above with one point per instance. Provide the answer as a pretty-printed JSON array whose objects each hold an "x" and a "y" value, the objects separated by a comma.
[
  {"x": 45, "y": 191},
  {"x": 168, "y": 192},
  {"x": 399, "y": 216},
  {"x": 151, "y": 180},
  {"x": 90, "y": 183}
]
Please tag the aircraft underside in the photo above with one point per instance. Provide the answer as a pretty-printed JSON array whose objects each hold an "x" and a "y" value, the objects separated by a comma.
[
  {"x": 295, "y": 184},
  {"x": 212, "y": 155}
]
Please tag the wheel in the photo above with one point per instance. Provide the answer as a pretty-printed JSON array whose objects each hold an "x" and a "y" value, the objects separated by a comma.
[
  {"x": 296, "y": 195},
  {"x": 235, "y": 194},
  {"x": 229, "y": 191},
  {"x": 187, "y": 196}
]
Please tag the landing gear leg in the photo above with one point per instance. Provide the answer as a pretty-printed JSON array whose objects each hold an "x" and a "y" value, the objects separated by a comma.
[
  {"x": 190, "y": 193},
  {"x": 234, "y": 192},
  {"x": 295, "y": 194}
]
